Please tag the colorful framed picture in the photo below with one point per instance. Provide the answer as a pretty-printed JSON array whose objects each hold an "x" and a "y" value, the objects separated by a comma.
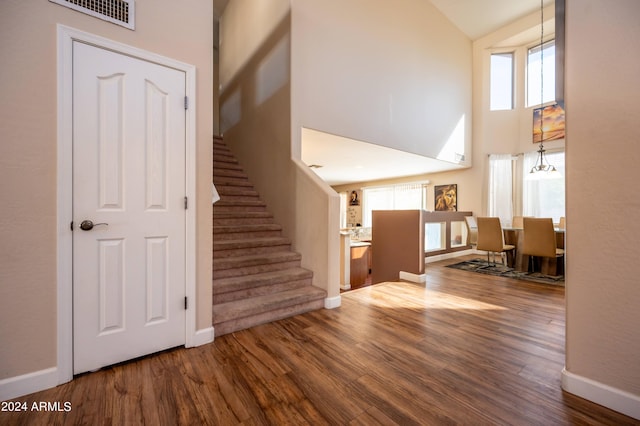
[
  {"x": 552, "y": 125},
  {"x": 446, "y": 198}
]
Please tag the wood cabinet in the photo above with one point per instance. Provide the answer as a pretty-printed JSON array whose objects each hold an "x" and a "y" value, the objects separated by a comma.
[{"x": 360, "y": 263}]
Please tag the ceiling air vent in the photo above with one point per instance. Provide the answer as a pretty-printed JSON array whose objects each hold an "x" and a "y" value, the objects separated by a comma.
[{"x": 120, "y": 12}]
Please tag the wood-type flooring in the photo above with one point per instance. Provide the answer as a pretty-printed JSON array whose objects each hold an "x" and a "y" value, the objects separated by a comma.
[{"x": 465, "y": 349}]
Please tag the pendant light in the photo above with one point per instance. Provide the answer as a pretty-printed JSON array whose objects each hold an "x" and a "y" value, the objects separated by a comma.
[{"x": 542, "y": 168}]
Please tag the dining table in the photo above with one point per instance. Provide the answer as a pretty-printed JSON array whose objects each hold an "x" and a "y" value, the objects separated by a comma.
[{"x": 519, "y": 261}]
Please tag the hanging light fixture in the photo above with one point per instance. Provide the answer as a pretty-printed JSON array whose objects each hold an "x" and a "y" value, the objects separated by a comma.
[{"x": 542, "y": 168}]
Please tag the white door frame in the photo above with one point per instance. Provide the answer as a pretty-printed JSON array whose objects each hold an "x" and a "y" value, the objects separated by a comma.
[{"x": 66, "y": 37}]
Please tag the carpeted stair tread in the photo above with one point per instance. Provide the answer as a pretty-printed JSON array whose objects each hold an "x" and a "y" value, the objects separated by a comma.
[
  {"x": 225, "y": 285},
  {"x": 258, "y": 259},
  {"x": 246, "y": 203},
  {"x": 229, "y": 173},
  {"x": 221, "y": 181},
  {"x": 265, "y": 303},
  {"x": 220, "y": 245},
  {"x": 233, "y": 191},
  {"x": 229, "y": 165},
  {"x": 257, "y": 278},
  {"x": 259, "y": 227}
]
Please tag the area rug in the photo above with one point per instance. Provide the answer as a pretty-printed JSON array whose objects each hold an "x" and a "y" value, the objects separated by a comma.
[{"x": 481, "y": 266}]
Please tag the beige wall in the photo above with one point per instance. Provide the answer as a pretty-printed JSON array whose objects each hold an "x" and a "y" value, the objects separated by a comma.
[
  {"x": 28, "y": 161},
  {"x": 603, "y": 196},
  {"x": 402, "y": 82}
]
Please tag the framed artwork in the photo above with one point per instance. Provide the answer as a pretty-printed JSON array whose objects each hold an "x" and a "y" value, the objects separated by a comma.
[
  {"x": 553, "y": 124},
  {"x": 355, "y": 200},
  {"x": 446, "y": 198}
]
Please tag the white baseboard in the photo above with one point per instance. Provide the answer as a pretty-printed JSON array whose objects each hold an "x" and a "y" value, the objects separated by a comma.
[
  {"x": 25, "y": 384},
  {"x": 202, "y": 337},
  {"x": 332, "y": 302},
  {"x": 414, "y": 278},
  {"x": 438, "y": 257},
  {"x": 605, "y": 395}
]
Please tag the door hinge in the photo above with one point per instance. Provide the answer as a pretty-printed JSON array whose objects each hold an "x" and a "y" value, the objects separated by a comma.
[
  {"x": 186, "y": 304},
  {"x": 71, "y": 226},
  {"x": 186, "y": 102},
  {"x": 186, "y": 203}
]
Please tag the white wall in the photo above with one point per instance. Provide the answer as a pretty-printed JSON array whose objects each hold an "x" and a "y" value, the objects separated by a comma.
[{"x": 603, "y": 201}]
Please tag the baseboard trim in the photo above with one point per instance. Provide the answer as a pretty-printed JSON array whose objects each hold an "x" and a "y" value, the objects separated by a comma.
[
  {"x": 332, "y": 302},
  {"x": 202, "y": 337},
  {"x": 605, "y": 395},
  {"x": 430, "y": 259},
  {"x": 25, "y": 384},
  {"x": 414, "y": 278}
]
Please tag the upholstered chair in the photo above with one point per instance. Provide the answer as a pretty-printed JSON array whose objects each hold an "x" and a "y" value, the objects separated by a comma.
[
  {"x": 491, "y": 237},
  {"x": 563, "y": 223},
  {"x": 540, "y": 239}
]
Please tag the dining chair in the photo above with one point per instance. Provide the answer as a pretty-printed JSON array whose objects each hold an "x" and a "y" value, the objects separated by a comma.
[
  {"x": 491, "y": 237},
  {"x": 540, "y": 239},
  {"x": 516, "y": 222},
  {"x": 472, "y": 230},
  {"x": 563, "y": 223}
]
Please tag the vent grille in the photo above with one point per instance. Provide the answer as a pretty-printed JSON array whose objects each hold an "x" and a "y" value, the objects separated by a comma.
[{"x": 120, "y": 12}]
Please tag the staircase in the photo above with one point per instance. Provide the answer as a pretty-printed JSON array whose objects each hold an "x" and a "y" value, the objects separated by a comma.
[{"x": 256, "y": 277}]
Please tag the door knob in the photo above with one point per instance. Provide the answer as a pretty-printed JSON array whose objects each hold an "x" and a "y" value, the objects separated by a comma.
[{"x": 87, "y": 225}]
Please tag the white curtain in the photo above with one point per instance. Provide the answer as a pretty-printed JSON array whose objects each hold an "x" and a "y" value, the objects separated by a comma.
[
  {"x": 395, "y": 197},
  {"x": 543, "y": 197},
  {"x": 501, "y": 187},
  {"x": 343, "y": 209}
]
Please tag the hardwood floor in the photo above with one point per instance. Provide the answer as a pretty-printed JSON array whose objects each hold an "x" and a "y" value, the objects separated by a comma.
[{"x": 467, "y": 349}]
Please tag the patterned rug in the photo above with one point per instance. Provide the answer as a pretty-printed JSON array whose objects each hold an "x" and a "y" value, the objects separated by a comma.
[{"x": 481, "y": 266}]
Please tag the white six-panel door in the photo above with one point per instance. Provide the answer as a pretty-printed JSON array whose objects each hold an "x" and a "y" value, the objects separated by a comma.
[{"x": 129, "y": 181}]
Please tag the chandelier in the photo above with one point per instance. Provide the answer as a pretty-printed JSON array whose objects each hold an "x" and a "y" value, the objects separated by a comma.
[{"x": 542, "y": 168}]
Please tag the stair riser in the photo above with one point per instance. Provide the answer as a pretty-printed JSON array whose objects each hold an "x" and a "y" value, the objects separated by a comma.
[
  {"x": 223, "y": 254},
  {"x": 263, "y": 318},
  {"x": 230, "y": 296},
  {"x": 255, "y": 269}
]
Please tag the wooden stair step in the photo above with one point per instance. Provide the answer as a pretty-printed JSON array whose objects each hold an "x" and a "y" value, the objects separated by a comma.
[{"x": 240, "y": 314}]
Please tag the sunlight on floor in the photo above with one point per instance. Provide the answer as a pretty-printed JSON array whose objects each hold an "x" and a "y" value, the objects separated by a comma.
[{"x": 398, "y": 295}]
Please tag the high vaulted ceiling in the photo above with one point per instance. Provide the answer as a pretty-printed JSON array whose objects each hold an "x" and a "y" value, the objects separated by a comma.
[{"x": 475, "y": 18}]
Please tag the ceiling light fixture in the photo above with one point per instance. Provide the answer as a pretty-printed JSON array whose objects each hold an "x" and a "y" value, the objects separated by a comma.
[{"x": 542, "y": 168}]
